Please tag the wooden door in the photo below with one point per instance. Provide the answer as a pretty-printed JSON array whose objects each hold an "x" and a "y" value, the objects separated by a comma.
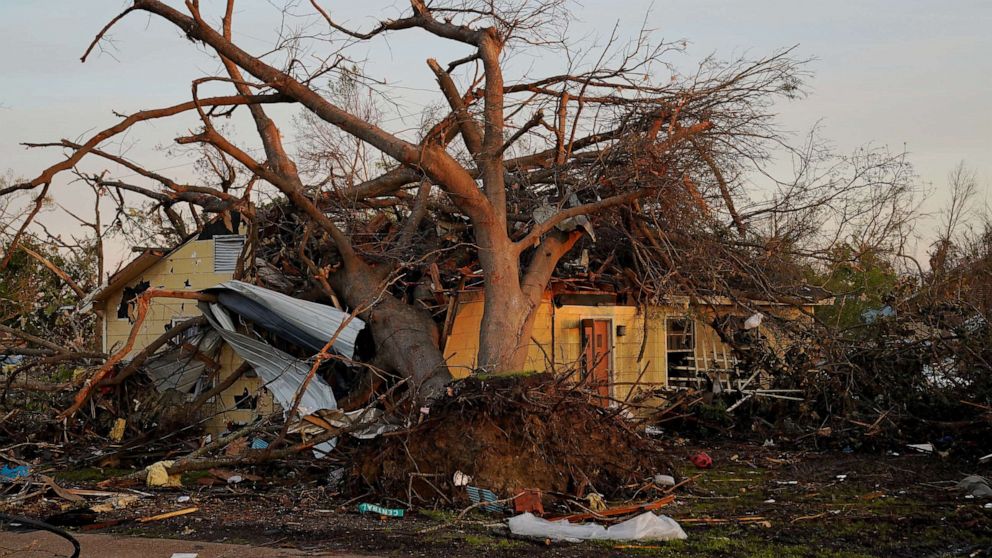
[{"x": 597, "y": 346}]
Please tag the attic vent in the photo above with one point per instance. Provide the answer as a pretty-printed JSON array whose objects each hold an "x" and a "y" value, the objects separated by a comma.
[{"x": 227, "y": 249}]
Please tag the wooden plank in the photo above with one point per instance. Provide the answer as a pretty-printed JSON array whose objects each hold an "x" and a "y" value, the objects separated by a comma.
[{"x": 622, "y": 510}]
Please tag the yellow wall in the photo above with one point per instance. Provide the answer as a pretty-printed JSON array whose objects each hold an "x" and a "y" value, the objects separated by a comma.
[
  {"x": 557, "y": 335},
  {"x": 564, "y": 343},
  {"x": 193, "y": 263}
]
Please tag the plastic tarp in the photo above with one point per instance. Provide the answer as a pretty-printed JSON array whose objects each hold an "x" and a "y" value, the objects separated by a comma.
[
  {"x": 282, "y": 373},
  {"x": 646, "y": 526},
  {"x": 308, "y": 324}
]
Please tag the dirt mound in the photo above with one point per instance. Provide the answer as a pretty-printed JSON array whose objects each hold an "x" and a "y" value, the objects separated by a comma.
[{"x": 508, "y": 434}]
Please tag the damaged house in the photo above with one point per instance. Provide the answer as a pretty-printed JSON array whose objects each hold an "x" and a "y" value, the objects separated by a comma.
[
  {"x": 251, "y": 348},
  {"x": 623, "y": 346},
  {"x": 226, "y": 351}
]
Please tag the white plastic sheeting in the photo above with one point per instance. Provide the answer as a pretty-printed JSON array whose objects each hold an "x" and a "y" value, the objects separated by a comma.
[
  {"x": 319, "y": 320},
  {"x": 646, "y": 526}
]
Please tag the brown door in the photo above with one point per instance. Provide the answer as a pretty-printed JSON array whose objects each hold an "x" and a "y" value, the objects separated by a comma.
[{"x": 597, "y": 343}]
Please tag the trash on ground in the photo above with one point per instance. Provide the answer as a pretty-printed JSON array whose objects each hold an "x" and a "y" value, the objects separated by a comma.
[
  {"x": 529, "y": 501},
  {"x": 481, "y": 496},
  {"x": 157, "y": 475},
  {"x": 8, "y": 473},
  {"x": 975, "y": 486},
  {"x": 646, "y": 526},
  {"x": 702, "y": 460},
  {"x": 117, "y": 432},
  {"x": 365, "y": 507},
  {"x": 620, "y": 510},
  {"x": 596, "y": 502},
  {"x": 460, "y": 479},
  {"x": 116, "y": 502}
]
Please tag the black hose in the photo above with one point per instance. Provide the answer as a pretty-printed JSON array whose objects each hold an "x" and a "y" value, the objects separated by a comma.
[{"x": 44, "y": 527}]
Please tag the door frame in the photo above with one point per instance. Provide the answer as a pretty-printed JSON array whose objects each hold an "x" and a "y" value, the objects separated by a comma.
[{"x": 611, "y": 368}]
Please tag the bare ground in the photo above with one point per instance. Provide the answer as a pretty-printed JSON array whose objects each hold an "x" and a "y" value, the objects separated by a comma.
[{"x": 795, "y": 504}]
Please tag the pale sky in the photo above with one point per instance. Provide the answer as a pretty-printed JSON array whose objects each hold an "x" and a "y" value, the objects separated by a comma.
[{"x": 911, "y": 74}]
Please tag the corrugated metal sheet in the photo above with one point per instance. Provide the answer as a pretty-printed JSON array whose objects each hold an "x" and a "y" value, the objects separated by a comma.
[
  {"x": 179, "y": 370},
  {"x": 227, "y": 250},
  {"x": 283, "y": 374},
  {"x": 318, "y": 320}
]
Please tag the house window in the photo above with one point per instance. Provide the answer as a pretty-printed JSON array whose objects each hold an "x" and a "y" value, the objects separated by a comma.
[
  {"x": 227, "y": 250},
  {"x": 681, "y": 352},
  {"x": 681, "y": 334},
  {"x": 128, "y": 297}
]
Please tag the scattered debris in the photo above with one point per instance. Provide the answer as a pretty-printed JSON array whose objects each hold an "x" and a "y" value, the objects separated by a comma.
[
  {"x": 596, "y": 502},
  {"x": 753, "y": 321},
  {"x": 8, "y": 473},
  {"x": 480, "y": 496},
  {"x": 646, "y": 526},
  {"x": 664, "y": 480},
  {"x": 975, "y": 486},
  {"x": 380, "y": 510},
  {"x": 157, "y": 475},
  {"x": 115, "y": 502},
  {"x": 619, "y": 510},
  {"x": 702, "y": 460},
  {"x": 117, "y": 432},
  {"x": 460, "y": 479},
  {"x": 529, "y": 501}
]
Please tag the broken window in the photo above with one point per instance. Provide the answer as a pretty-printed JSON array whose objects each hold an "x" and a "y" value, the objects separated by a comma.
[
  {"x": 681, "y": 352},
  {"x": 128, "y": 297},
  {"x": 246, "y": 400},
  {"x": 227, "y": 250}
]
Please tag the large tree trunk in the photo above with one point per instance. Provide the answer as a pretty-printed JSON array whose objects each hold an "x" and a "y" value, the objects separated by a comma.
[
  {"x": 512, "y": 302},
  {"x": 406, "y": 339}
]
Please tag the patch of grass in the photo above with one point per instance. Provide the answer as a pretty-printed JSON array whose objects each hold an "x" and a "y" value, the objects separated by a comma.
[
  {"x": 442, "y": 516},
  {"x": 507, "y": 374},
  {"x": 721, "y": 544},
  {"x": 487, "y": 541},
  {"x": 191, "y": 477},
  {"x": 90, "y": 474}
]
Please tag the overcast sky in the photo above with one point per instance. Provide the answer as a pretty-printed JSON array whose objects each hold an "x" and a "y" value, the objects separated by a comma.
[{"x": 909, "y": 74}]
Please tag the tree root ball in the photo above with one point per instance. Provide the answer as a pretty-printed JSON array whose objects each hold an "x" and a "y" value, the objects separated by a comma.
[{"x": 510, "y": 433}]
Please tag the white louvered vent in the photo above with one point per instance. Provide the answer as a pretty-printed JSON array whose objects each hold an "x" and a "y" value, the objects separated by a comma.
[{"x": 227, "y": 249}]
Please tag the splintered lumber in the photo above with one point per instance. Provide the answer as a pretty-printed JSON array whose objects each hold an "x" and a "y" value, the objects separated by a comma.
[
  {"x": 621, "y": 510},
  {"x": 142, "y": 302}
]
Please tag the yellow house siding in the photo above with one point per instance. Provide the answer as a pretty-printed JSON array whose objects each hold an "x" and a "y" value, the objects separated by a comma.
[
  {"x": 557, "y": 336},
  {"x": 190, "y": 267},
  {"x": 192, "y": 262}
]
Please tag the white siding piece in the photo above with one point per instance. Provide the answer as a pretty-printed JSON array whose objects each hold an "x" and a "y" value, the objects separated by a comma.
[{"x": 227, "y": 250}]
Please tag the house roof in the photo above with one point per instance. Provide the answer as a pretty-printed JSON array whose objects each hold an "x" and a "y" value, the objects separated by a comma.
[{"x": 149, "y": 256}]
